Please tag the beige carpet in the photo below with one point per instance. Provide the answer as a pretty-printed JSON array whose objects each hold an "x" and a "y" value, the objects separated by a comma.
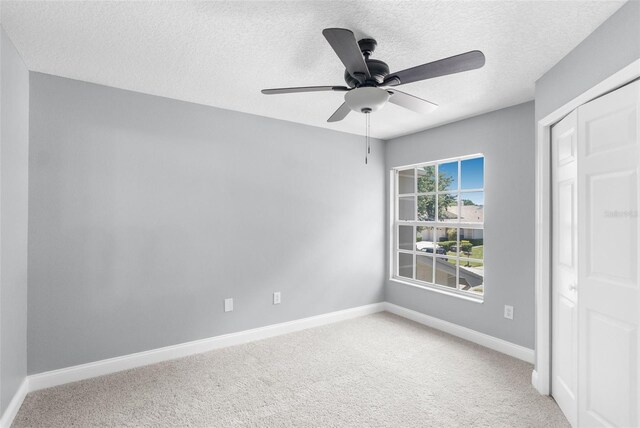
[{"x": 379, "y": 370}]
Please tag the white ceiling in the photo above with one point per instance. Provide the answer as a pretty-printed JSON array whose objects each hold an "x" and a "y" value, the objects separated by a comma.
[{"x": 222, "y": 53}]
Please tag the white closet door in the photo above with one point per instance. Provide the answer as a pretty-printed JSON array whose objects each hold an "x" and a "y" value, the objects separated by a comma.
[
  {"x": 564, "y": 334},
  {"x": 609, "y": 295}
]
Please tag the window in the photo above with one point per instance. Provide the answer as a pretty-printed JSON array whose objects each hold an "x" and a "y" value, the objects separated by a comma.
[{"x": 439, "y": 225}]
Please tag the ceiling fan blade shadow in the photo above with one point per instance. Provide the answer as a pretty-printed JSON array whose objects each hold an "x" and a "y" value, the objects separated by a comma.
[
  {"x": 303, "y": 89},
  {"x": 454, "y": 64},
  {"x": 340, "y": 114},
  {"x": 345, "y": 45},
  {"x": 411, "y": 102}
]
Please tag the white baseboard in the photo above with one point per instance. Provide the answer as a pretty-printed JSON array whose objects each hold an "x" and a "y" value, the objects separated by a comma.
[
  {"x": 491, "y": 342},
  {"x": 12, "y": 410},
  {"x": 112, "y": 365}
]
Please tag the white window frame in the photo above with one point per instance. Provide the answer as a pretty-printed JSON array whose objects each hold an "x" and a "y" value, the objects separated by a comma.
[{"x": 395, "y": 251}]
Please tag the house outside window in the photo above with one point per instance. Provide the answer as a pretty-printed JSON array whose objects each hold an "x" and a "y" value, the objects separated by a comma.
[{"x": 438, "y": 226}]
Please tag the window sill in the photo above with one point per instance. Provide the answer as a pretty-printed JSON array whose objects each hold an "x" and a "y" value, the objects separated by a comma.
[{"x": 436, "y": 289}]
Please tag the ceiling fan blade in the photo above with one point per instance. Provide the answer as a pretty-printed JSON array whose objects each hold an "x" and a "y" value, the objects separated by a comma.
[
  {"x": 454, "y": 64},
  {"x": 345, "y": 45},
  {"x": 411, "y": 102},
  {"x": 340, "y": 114},
  {"x": 303, "y": 89}
]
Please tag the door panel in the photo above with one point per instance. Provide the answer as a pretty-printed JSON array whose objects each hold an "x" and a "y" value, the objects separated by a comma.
[
  {"x": 608, "y": 258},
  {"x": 566, "y": 229},
  {"x": 613, "y": 237},
  {"x": 564, "y": 370},
  {"x": 614, "y": 130},
  {"x": 609, "y": 392}
]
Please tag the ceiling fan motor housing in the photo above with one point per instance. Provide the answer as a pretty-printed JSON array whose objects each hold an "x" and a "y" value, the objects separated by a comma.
[{"x": 378, "y": 69}]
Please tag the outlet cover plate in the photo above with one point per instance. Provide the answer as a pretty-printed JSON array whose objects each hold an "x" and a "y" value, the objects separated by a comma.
[
  {"x": 276, "y": 298},
  {"x": 228, "y": 305},
  {"x": 508, "y": 312}
]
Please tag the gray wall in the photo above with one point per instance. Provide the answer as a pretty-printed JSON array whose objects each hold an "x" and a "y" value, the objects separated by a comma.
[
  {"x": 147, "y": 212},
  {"x": 14, "y": 155},
  {"x": 612, "y": 46},
  {"x": 506, "y": 138}
]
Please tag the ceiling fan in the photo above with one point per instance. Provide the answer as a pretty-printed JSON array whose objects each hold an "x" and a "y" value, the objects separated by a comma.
[{"x": 371, "y": 85}]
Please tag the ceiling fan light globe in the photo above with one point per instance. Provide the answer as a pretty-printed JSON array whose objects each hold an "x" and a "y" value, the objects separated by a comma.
[{"x": 366, "y": 98}]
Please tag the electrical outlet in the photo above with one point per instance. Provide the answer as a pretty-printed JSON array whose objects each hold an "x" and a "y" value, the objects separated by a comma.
[
  {"x": 508, "y": 312},
  {"x": 276, "y": 298},
  {"x": 228, "y": 305}
]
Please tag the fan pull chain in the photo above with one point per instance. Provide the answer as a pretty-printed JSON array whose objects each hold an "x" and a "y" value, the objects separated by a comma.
[
  {"x": 368, "y": 133},
  {"x": 367, "y": 138}
]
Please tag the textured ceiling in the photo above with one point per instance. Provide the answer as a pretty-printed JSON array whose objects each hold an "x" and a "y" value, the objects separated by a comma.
[{"x": 222, "y": 53}]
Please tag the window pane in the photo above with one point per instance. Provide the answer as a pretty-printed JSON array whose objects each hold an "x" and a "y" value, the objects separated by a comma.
[
  {"x": 447, "y": 240},
  {"x": 406, "y": 208},
  {"x": 472, "y": 173},
  {"x": 405, "y": 265},
  {"x": 448, "y": 176},
  {"x": 424, "y": 239},
  {"x": 427, "y": 208},
  {"x": 424, "y": 268},
  {"x": 472, "y": 243},
  {"x": 424, "y": 233},
  {"x": 446, "y": 272},
  {"x": 405, "y": 237},
  {"x": 471, "y": 276},
  {"x": 406, "y": 181},
  {"x": 472, "y": 207},
  {"x": 448, "y": 207},
  {"x": 427, "y": 179}
]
